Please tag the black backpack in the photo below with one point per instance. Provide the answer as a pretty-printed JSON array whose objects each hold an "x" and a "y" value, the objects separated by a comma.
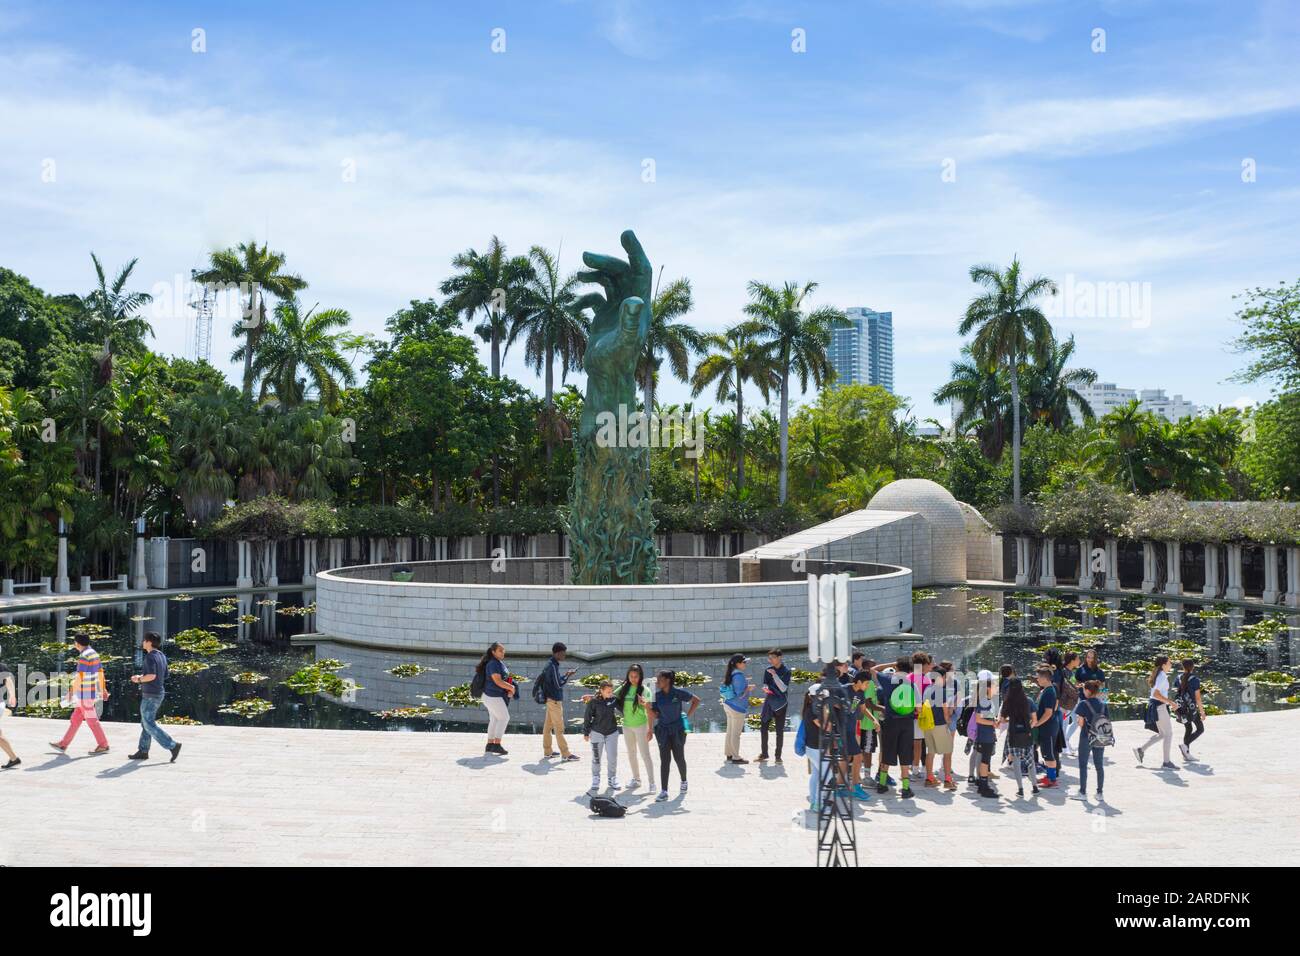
[
  {"x": 607, "y": 806},
  {"x": 963, "y": 719},
  {"x": 477, "y": 682},
  {"x": 539, "y": 687}
]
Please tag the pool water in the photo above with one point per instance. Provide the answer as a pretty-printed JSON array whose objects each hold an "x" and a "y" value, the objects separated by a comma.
[{"x": 972, "y": 628}]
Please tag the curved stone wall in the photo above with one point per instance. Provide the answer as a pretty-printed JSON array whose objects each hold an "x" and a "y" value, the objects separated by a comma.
[{"x": 362, "y": 605}]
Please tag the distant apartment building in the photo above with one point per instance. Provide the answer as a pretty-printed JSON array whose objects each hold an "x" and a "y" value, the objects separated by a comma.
[
  {"x": 1105, "y": 397},
  {"x": 862, "y": 353}
]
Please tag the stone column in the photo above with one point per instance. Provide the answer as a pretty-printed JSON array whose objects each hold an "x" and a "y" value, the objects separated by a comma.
[
  {"x": 309, "y": 562},
  {"x": 1174, "y": 558},
  {"x": 1211, "y": 589},
  {"x": 1085, "y": 555},
  {"x": 140, "y": 577},
  {"x": 1293, "y": 577},
  {"x": 7, "y": 587},
  {"x": 47, "y": 585},
  {"x": 272, "y": 577},
  {"x": 1234, "y": 591},
  {"x": 61, "y": 583},
  {"x": 1148, "y": 567},
  {"x": 1048, "y": 578},
  {"x": 85, "y": 584},
  {"x": 1112, "y": 564},
  {"x": 1271, "y": 589},
  {"x": 245, "y": 577},
  {"x": 1022, "y": 560}
]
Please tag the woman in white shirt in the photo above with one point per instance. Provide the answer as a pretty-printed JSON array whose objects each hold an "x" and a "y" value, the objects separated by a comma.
[{"x": 1159, "y": 684}]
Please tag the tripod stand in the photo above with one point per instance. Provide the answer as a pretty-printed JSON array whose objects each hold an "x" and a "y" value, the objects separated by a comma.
[{"x": 837, "y": 843}]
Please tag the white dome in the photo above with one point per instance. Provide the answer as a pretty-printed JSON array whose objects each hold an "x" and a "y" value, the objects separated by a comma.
[{"x": 943, "y": 515}]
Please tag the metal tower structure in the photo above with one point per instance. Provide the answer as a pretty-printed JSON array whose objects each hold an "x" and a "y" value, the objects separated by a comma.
[{"x": 202, "y": 300}]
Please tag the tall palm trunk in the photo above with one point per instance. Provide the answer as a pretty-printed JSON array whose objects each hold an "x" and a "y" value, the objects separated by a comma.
[
  {"x": 250, "y": 341},
  {"x": 740, "y": 433},
  {"x": 550, "y": 405},
  {"x": 785, "y": 429},
  {"x": 1015, "y": 429}
]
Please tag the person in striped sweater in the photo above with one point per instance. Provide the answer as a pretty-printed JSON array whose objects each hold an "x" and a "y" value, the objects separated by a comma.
[{"x": 87, "y": 691}]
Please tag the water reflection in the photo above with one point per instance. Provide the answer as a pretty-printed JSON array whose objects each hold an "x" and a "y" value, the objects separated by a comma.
[{"x": 973, "y": 629}]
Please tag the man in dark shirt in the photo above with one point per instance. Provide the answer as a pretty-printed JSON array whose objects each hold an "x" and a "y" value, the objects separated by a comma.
[{"x": 153, "y": 688}]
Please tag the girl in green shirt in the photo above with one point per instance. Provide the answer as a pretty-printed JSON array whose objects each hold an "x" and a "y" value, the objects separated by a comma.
[{"x": 632, "y": 697}]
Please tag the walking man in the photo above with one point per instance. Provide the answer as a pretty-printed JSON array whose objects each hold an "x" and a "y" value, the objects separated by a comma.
[
  {"x": 553, "y": 682},
  {"x": 84, "y": 696},
  {"x": 153, "y": 687}
]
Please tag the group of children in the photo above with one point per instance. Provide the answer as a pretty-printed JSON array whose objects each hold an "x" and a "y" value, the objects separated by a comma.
[{"x": 909, "y": 714}]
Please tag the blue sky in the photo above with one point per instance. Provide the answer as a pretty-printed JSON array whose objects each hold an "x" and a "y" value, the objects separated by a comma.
[{"x": 1123, "y": 166}]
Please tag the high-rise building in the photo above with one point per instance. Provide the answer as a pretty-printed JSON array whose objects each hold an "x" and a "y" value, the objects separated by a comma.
[
  {"x": 862, "y": 353},
  {"x": 1105, "y": 397}
]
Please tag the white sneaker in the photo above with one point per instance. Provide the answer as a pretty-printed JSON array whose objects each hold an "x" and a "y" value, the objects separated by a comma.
[
  {"x": 663, "y": 797},
  {"x": 1187, "y": 754},
  {"x": 595, "y": 787},
  {"x": 613, "y": 785},
  {"x": 683, "y": 786},
  {"x": 1137, "y": 752},
  {"x": 633, "y": 784}
]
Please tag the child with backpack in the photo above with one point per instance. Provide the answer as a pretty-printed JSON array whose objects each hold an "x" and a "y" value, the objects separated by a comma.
[
  {"x": 735, "y": 705},
  {"x": 1092, "y": 717},
  {"x": 1190, "y": 710},
  {"x": 600, "y": 729},
  {"x": 1067, "y": 693}
]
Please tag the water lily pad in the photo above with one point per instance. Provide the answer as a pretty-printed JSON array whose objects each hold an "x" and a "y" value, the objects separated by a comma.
[{"x": 248, "y": 708}]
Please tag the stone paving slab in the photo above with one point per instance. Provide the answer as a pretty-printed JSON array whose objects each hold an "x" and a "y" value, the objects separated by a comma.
[{"x": 254, "y": 796}]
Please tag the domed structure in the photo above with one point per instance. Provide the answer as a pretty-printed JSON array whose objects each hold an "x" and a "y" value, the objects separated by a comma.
[{"x": 943, "y": 517}]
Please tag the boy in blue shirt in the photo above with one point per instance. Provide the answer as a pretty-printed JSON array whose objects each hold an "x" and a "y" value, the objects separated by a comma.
[{"x": 1047, "y": 721}]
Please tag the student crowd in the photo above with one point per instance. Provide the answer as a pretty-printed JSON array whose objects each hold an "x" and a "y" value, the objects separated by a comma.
[{"x": 909, "y": 714}]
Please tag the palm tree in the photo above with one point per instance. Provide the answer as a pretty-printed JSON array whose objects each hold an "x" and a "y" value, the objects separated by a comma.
[
  {"x": 819, "y": 453},
  {"x": 669, "y": 339},
  {"x": 490, "y": 282},
  {"x": 1051, "y": 388},
  {"x": 294, "y": 344},
  {"x": 552, "y": 324},
  {"x": 1119, "y": 436},
  {"x": 1008, "y": 327},
  {"x": 113, "y": 311},
  {"x": 797, "y": 341},
  {"x": 255, "y": 271},
  {"x": 737, "y": 357},
  {"x": 208, "y": 438},
  {"x": 979, "y": 390}
]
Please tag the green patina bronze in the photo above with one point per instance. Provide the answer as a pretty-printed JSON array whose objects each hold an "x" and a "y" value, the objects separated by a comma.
[{"x": 609, "y": 521}]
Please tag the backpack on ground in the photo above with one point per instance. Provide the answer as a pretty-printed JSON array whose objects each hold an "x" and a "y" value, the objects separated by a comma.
[
  {"x": 1100, "y": 732},
  {"x": 477, "y": 683},
  {"x": 604, "y": 806}
]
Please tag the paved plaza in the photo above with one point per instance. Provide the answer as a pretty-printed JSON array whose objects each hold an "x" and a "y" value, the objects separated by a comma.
[{"x": 245, "y": 795}]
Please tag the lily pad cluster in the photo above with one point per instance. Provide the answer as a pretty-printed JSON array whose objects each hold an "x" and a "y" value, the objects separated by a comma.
[
  {"x": 248, "y": 708},
  {"x": 319, "y": 678},
  {"x": 187, "y": 668},
  {"x": 408, "y": 670},
  {"x": 457, "y": 696},
  {"x": 407, "y": 713},
  {"x": 198, "y": 641}
]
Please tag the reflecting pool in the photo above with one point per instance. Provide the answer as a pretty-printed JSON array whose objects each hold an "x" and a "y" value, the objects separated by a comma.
[{"x": 251, "y": 671}]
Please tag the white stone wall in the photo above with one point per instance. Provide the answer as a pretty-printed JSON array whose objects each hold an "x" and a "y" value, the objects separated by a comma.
[{"x": 684, "y": 618}]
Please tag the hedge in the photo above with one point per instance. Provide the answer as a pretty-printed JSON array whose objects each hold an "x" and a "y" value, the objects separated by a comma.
[{"x": 275, "y": 518}]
